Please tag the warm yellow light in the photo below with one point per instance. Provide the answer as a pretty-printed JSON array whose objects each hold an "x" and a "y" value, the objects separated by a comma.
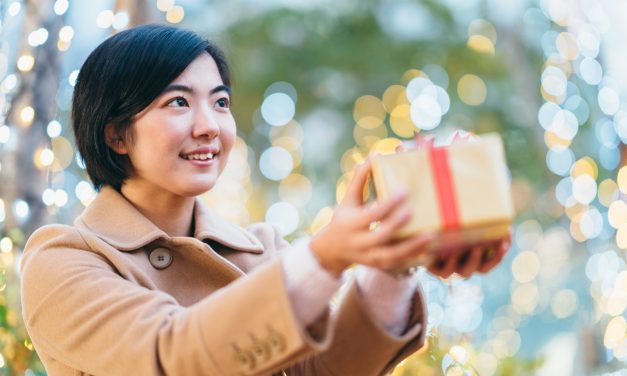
[
  {"x": 105, "y": 19},
  {"x": 615, "y": 332},
  {"x": 617, "y": 214},
  {"x": 46, "y": 157},
  {"x": 63, "y": 152},
  {"x": 481, "y": 44},
  {"x": 66, "y": 33},
  {"x": 394, "y": 96},
  {"x": 25, "y": 63},
  {"x": 525, "y": 298},
  {"x": 459, "y": 354},
  {"x": 575, "y": 211},
  {"x": 561, "y": 63},
  {"x": 295, "y": 189},
  {"x": 585, "y": 165},
  {"x": 27, "y": 115},
  {"x": 370, "y": 122},
  {"x": 175, "y": 14},
  {"x": 551, "y": 98},
  {"x": 411, "y": 74},
  {"x": 6, "y": 245},
  {"x": 63, "y": 46},
  {"x": 351, "y": 158},
  {"x": 386, "y": 146},
  {"x": 472, "y": 90},
  {"x": 369, "y": 111},
  {"x": 621, "y": 179},
  {"x": 526, "y": 266},
  {"x": 368, "y": 137},
  {"x": 551, "y": 140},
  {"x": 616, "y": 303},
  {"x": 621, "y": 236},
  {"x": 608, "y": 192},
  {"x": 575, "y": 229},
  {"x": 401, "y": 123}
]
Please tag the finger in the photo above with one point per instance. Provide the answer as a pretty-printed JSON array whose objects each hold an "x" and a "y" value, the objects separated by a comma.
[
  {"x": 398, "y": 255},
  {"x": 389, "y": 227},
  {"x": 444, "y": 267},
  {"x": 408, "y": 251},
  {"x": 492, "y": 256},
  {"x": 355, "y": 191},
  {"x": 472, "y": 262},
  {"x": 383, "y": 209}
]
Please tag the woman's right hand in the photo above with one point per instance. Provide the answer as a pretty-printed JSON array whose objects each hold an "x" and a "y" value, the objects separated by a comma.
[{"x": 348, "y": 239}]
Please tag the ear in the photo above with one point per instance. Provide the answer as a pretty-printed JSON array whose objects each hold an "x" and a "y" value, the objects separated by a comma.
[{"x": 114, "y": 140}]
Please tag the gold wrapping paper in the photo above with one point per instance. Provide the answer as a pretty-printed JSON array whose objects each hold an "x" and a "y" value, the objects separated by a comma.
[{"x": 480, "y": 183}]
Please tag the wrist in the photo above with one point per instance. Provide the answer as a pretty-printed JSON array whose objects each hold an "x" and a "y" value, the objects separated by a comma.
[{"x": 321, "y": 252}]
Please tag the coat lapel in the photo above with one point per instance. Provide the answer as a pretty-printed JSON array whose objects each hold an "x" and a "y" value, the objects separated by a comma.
[{"x": 115, "y": 220}]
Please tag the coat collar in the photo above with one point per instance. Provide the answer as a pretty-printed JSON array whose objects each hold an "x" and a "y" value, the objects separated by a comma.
[{"x": 115, "y": 220}]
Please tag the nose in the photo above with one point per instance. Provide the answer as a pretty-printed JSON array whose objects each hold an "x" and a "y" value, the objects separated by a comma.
[{"x": 205, "y": 123}]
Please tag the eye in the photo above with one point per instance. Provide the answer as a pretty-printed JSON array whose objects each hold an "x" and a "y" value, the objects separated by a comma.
[
  {"x": 223, "y": 102},
  {"x": 178, "y": 102}
]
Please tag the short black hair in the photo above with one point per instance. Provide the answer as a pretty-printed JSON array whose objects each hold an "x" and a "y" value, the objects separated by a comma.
[{"x": 119, "y": 79}]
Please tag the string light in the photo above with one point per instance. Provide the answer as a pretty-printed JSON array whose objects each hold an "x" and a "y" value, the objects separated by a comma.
[
  {"x": 25, "y": 63},
  {"x": 175, "y": 14}
]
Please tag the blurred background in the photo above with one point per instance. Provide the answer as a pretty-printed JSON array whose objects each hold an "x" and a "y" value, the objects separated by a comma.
[{"x": 319, "y": 84}]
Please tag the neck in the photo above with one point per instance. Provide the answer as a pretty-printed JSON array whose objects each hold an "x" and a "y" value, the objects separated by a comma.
[{"x": 171, "y": 213}]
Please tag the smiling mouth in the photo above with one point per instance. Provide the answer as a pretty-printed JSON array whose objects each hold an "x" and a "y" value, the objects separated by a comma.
[{"x": 199, "y": 156}]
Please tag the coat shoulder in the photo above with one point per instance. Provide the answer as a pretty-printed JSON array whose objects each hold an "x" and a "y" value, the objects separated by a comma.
[
  {"x": 54, "y": 236},
  {"x": 56, "y": 245}
]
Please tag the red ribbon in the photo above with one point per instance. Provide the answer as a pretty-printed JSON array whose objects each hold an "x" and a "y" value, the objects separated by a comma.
[
  {"x": 443, "y": 179},
  {"x": 444, "y": 188}
]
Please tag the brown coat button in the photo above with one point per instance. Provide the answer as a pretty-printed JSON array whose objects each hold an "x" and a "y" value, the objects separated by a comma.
[{"x": 160, "y": 258}]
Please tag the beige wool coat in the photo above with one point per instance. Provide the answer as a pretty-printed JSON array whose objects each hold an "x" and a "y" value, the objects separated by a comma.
[{"x": 115, "y": 295}]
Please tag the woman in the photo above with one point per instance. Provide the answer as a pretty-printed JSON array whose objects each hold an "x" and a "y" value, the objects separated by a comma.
[{"x": 149, "y": 281}]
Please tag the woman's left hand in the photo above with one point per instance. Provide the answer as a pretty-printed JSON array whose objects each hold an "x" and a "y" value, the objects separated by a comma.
[{"x": 479, "y": 258}]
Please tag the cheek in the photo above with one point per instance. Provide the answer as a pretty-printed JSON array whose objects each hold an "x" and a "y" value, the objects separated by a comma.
[{"x": 227, "y": 136}]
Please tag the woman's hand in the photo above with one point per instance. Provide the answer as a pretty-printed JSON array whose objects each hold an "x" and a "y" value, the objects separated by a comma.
[
  {"x": 347, "y": 239},
  {"x": 479, "y": 258}
]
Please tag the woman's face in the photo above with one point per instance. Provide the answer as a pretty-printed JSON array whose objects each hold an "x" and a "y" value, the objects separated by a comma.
[{"x": 181, "y": 142}]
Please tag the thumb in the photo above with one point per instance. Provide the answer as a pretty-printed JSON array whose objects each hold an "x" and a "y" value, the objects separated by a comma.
[{"x": 354, "y": 193}]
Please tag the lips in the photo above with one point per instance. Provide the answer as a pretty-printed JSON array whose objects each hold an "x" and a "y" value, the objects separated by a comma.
[
  {"x": 205, "y": 153},
  {"x": 198, "y": 156}
]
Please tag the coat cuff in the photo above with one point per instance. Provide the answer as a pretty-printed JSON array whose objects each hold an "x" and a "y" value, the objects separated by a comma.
[
  {"x": 388, "y": 298},
  {"x": 309, "y": 286}
]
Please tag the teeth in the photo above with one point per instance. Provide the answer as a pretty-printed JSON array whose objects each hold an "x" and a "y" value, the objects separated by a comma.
[{"x": 200, "y": 157}]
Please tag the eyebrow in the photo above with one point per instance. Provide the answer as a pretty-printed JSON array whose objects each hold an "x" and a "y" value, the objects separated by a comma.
[{"x": 187, "y": 89}]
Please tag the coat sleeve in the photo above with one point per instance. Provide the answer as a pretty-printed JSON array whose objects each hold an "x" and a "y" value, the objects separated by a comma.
[
  {"x": 80, "y": 312},
  {"x": 359, "y": 344}
]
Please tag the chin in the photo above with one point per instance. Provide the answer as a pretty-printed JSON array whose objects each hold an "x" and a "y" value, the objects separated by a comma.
[{"x": 196, "y": 188}]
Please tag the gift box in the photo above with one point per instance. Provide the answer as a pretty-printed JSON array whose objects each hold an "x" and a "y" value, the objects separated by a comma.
[{"x": 461, "y": 191}]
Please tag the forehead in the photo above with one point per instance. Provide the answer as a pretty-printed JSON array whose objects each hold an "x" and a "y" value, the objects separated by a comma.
[{"x": 202, "y": 71}]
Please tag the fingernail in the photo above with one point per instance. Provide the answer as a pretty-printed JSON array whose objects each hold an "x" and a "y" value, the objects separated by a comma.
[
  {"x": 439, "y": 264},
  {"x": 461, "y": 261},
  {"x": 400, "y": 193},
  {"x": 486, "y": 255},
  {"x": 406, "y": 213}
]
